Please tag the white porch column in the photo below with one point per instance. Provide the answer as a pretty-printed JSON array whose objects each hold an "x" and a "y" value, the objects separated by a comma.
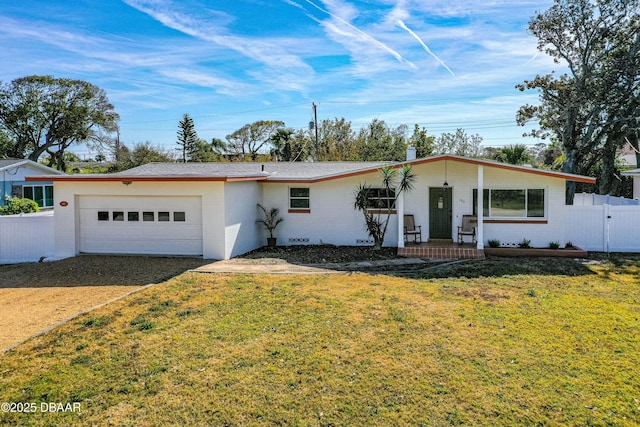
[
  {"x": 400, "y": 213},
  {"x": 480, "y": 236}
]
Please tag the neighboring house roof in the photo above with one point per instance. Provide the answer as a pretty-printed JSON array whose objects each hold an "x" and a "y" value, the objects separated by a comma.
[
  {"x": 6, "y": 164},
  {"x": 286, "y": 171}
]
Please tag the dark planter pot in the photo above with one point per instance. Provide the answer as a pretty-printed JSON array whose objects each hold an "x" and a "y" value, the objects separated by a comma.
[{"x": 271, "y": 242}]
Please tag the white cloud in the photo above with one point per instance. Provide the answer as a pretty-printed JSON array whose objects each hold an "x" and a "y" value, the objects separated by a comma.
[{"x": 201, "y": 27}]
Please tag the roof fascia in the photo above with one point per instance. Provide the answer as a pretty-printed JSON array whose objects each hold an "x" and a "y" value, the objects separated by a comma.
[
  {"x": 498, "y": 165},
  {"x": 120, "y": 178},
  {"x": 34, "y": 165}
]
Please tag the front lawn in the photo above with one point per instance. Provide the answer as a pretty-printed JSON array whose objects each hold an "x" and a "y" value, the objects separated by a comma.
[{"x": 553, "y": 347}]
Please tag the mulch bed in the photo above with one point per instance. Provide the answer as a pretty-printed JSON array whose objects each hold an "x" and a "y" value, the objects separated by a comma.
[{"x": 320, "y": 254}]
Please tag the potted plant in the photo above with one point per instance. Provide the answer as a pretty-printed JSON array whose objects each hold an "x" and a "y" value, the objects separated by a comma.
[{"x": 271, "y": 219}]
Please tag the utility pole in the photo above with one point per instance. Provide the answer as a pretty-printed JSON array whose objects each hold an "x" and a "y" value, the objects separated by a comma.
[{"x": 315, "y": 120}]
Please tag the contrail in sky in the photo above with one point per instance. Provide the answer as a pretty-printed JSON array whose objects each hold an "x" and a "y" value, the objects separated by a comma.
[
  {"x": 376, "y": 42},
  {"x": 426, "y": 48}
]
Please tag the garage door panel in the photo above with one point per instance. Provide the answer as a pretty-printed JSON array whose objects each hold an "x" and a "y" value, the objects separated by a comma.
[
  {"x": 138, "y": 236},
  {"x": 144, "y": 247},
  {"x": 188, "y": 232}
]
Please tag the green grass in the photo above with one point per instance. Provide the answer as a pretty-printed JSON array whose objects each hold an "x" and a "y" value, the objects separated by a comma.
[{"x": 499, "y": 343}]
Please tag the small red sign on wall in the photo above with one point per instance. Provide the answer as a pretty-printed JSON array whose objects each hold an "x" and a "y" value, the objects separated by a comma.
[{"x": 64, "y": 203}]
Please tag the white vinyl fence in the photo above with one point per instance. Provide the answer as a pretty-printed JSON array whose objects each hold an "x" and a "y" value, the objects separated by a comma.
[
  {"x": 26, "y": 237},
  {"x": 604, "y": 228},
  {"x": 589, "y": 199}
]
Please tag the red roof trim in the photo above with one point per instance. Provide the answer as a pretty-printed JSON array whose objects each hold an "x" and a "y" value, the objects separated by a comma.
[
  {"x": 479, "y": 162},
  {"x": 553, "y": 174},
  {"x": 89, "y": 178},
  {"x": 543, "y": 172},
  {"x": 328, "y": 178}
]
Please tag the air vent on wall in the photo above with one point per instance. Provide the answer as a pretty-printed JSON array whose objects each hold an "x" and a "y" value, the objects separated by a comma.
[
  {"x": 298, "y": 240},
  {"x": 364, "y": 242}
]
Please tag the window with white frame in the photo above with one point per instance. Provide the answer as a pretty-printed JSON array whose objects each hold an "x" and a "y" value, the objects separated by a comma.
[
  {"x": 517, "y": 203},
  {"x": 381, "y": 198},
  {"x": 41, "y": 194},
  {"x": 299, "y": 198}
]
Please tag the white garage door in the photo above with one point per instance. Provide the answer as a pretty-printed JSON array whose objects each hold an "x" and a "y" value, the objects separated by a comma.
[{"x": 140, "y": 225}]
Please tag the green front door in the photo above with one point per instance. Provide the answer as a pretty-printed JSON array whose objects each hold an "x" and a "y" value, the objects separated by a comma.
[{"x": 440, "y": 213}]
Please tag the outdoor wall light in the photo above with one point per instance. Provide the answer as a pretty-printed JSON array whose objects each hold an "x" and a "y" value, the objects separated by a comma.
[
  {"x": 445, "y": 186},
  {"x": 127, "y": 182}
]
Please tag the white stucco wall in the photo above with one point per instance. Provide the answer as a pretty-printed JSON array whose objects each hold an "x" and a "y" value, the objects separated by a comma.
[
  {"x": 67, "y": 224},
  {"x": 229, "y": 209},
  {"x": 462, "y": 178},
  {"x": 332, "y": 219},
  {"x": 242, "y": 233}
]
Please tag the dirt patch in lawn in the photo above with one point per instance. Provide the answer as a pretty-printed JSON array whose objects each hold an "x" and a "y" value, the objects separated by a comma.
[{"x": 36, "y": 296}]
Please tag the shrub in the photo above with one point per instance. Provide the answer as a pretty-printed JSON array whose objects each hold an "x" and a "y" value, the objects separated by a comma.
[
  {"x": 554, "y": 245},
  {"x": 16, "y": 205},
  {"x": 494, "y": 243},
  {"x": 525, "y": 243}
]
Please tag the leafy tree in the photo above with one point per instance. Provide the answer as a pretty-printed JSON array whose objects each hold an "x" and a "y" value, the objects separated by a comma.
[
  {"x": 424, "y": 144},
  {"x": 247, "y": 141},
  {"x": 142, "y": 153},
  {"x": 285, "y": 147},
  {"x": 188, "y": 140},
  {"x": 377, "y": 206},
  {"x": 16, "y": 205},
  {"x": 336, "y": 141},
  {"x": 592, "y": 109},
  {"x": 46, "y": 114},
  {"x": 5, "y": 144},
  {"x": 63, "y": 160},
  {"x": 459, "y": 144},
  {"x": 517, "y": 154},
  {"x": 208, "y": 152},
  {"x": 379, "y": 142}
]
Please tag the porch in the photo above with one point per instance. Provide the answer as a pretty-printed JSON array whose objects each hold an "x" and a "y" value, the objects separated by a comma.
[{"x": 441, "y": 249}]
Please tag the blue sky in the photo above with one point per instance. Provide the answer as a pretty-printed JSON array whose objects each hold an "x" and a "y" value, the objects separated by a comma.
[{"x": 442, "y": 64}]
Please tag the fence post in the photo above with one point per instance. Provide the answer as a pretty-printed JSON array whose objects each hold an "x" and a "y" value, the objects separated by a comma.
[{"x": 607, "y": 218}]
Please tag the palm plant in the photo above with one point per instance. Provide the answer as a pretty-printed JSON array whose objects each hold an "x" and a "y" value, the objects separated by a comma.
[
  {"x": 271, "y": 219},
  {"x": 378, "y": 207}
]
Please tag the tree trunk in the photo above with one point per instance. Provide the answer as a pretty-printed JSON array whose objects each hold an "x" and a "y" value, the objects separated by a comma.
[
  {"x": 570, "y": 167},
  {"x": 607, "y": 172}
]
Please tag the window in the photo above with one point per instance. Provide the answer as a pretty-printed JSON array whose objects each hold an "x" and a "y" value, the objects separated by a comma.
[
  {"x": 103, "y": 215},
  {"x": 511, "y": 203},
  {"x": 179, "y": 217},
  {"x": 118, "y": 216},
  {"x": 535, "y": 203},
  {"x": 148, "y": 216},
  {"x": 381, "y": 198},
  {"x": 163, "y": 216},
  {"x": 41, "y": 194},
  {"x": 17, "y": 191},
  {"x": 299, "y": 198},
  {"x": 133, "y": 216},
  {"x": 508, "y": 203}
]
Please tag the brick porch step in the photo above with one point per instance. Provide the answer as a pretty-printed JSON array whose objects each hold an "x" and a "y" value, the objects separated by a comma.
[{"x": 441, "y": 252}]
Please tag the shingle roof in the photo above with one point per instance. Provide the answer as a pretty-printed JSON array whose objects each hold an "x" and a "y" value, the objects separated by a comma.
[
  {"x": 269, "y": 170},
  {"x": 9, "y": 163},
  {"x": 5, "y": 163},
  {"x": 287, "y": 171}
]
